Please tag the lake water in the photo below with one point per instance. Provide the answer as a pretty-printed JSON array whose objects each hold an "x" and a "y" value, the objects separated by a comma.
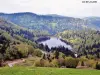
[{"x": 55, "y": 42}]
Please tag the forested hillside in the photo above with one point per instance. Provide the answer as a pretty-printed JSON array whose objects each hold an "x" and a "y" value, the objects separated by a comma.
[
  {"x": 51, "y": 23},
  {"x": 95, "y": 21},
  {"x": 85, "y": 42},
  {"x": 17, "y": 31},
  {"x": 16, "y": 42}
]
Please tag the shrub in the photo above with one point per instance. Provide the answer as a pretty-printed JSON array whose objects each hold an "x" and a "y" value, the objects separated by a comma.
[
  {"x": 83, "y": 58},
  {"x": 91, "y": 57},
  {"x": 37, "y": 63},
  {"x": 42, "y": 63},
  {"x": 55, "y": 63},
  {"x": 82, "y": 63},
  {"x": 11, "y": 53},
  {"x": 91, "y": 63},
  {"x": 37, "y": 52},
  {"x": 1, "y": 59},
  {"x": 71, "y": 62},
  {"x": 23, "y": 50},
  {"x": 47, "y": 64},
  {"x": 61, "y": 55},
  {"x": 98, "y": 65},
  {"x": 61, "y": 62}
]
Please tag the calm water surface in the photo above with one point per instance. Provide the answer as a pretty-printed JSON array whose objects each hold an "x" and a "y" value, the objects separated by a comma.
[{"x": 55, "y": 42}]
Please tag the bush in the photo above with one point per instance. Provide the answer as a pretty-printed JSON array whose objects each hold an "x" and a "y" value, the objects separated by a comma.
[
  {"x": 23, "y": 50},
  {"x": 1, "y": 59},
  {"x": 47, "y": 64},
  {"x": 61, "y": 62},
  {"x": 54, "y": 63},
  {"x": 71, "y": 62},
  {"x": 37, "y": 52},
  {"x": 11, "y": 53},
  {"x": 83, "y": 58},
  {"x": 42, "y": 63},
  {"x": 98, "y": 65},
  {"x": 91, "y": 63},
  {"x": 82, "y": 63},
  {"x": 91, "y": 57},
  {"x": 37, "y": 63}
]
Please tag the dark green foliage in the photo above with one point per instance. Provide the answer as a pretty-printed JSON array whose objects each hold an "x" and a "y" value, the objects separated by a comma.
[
  {"x": 56, "y": 53},
  {"x": 44, "y": 56},
  {"x": 56, "y": 50},
  {"x": 12, "y": 53},
  {"x": 82, "y": 63},
  {"x": 1, "y": 59},
  {"x": 98, "y": 65}
]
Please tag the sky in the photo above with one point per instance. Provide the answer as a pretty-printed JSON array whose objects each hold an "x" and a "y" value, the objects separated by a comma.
[{"x": 72, "y": 8}]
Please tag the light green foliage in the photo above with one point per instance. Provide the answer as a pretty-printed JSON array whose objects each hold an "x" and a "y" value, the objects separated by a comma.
[
  {"x": 53, "y": 25},
  {"x": 37, "y": 52},
  {"x": 85, "y": 42},
  {"x": 23, "y": 49}
]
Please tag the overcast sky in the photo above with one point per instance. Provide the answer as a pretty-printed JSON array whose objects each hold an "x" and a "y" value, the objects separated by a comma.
[{"x": 73, "y": 8}]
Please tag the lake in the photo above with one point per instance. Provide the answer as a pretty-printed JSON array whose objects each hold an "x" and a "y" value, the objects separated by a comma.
[{"x": 55, "y": 42}]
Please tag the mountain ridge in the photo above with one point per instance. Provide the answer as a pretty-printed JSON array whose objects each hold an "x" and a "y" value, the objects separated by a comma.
[{"x": 51, "y": 23}]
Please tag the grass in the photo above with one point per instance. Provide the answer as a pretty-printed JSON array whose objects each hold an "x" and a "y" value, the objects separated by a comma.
[{"x": 46, "y": 71}]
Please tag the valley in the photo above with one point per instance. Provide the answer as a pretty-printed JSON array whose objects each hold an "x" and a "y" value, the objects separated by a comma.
[{"x": 49, "y": 40}]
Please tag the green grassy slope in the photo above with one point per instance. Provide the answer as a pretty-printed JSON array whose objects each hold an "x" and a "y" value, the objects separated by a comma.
[{"x": 46, "y": 71}]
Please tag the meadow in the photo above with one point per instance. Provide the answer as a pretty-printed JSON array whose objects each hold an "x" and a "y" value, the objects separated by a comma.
[{"x": 46, "y": 71}]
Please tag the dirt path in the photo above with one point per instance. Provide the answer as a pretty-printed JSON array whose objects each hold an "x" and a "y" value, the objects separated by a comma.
[{"x": 12, "y": 63}]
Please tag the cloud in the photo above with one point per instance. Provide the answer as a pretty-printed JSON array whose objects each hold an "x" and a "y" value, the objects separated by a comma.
[{"x": 73, "y": 8}]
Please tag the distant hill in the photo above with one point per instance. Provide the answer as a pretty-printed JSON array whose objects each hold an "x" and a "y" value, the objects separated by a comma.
[
  {"x": 15, "y": 32},
  {"x": 51, "y": 23},
  {"x": 17, "y": 42},
  {"x": 95, "y": 21},
  {"x": 20, "y": 33}
]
